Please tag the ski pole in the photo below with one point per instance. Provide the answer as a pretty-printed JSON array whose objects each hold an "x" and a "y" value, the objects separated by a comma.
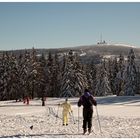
[
  {"x": 98, "y": 119},
  {"x": 57, "y": 113},
  {"x": 78, "y": 120},
  {"x": 73, "y": 117}
]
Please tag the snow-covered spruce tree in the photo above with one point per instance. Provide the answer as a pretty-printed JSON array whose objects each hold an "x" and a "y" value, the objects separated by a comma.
[
  {"x": 138, "y": 80},
  {"x": 73, "y": 77},
  {"x": 49, "y": 75},
  {"x": 63, "y": 63},
  {"x": 102, "y": 86},
  {"x": 80, "y": 77},
  {"x": 88, "y": 72},
  {"x": 91, "y": 76},
  {"x": 114, "y": 74},
  {"x": 9, "y": 78},
  {"x": 119, "y": 77},
  {"x": 67, "y": 82},
  {"x": 27, "y": 75},
  {"x": 130, "y": 74},
  {"x": 6, "y": 77},
  {"x": 41, "y": 79},
  {"x": 2, "y": 67},
  {"x": 14, "y": 79},
  {"x": 22, "y": 74},
  {"x": 25, "y": 62},
  {"x": 56, "y": 76},
  {"x": 33, "y": 72},
  {"x": 110, "y": 72}
]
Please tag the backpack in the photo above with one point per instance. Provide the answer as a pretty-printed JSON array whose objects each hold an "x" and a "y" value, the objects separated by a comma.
[{"x": 87, "y": 102}]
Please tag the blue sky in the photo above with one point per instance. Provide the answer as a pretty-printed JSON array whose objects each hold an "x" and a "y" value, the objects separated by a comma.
[{"x": 55, "y": 25}]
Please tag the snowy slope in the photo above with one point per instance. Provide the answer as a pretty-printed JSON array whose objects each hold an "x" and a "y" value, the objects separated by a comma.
[
  {"x": 125, "y": 45},
  {"x": 119, "y": 117}
]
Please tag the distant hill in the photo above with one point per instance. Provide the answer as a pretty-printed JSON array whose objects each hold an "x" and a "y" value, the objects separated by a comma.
[
  {"x": 89, "y": 52},
  {"x": 108, "y": 49}
]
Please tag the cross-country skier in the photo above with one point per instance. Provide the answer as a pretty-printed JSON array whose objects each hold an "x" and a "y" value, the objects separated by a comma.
[
  {"x": 87, "y": 100},
  {"x": 66, "y": 110}
]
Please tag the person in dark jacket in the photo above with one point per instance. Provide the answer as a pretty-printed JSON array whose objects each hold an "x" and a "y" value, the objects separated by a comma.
[{"x": 87, "y": 100}]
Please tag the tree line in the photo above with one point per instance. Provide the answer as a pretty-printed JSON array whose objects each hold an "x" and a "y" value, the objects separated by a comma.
[{"x": 37, "y": 76}]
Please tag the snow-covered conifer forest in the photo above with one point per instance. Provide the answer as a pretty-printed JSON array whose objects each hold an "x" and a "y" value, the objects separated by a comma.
[{"x": 31, "y": 75}]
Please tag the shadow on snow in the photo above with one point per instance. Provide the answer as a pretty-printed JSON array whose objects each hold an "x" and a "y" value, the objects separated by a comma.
[
  {"x": 53, "y": 135},
  {"x": 121, "y": 100}
]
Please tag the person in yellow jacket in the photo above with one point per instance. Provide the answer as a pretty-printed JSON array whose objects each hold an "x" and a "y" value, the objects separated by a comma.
[{"x": 66, "y": 110}]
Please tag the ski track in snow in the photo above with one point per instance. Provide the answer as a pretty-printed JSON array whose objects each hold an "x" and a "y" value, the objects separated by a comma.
[{"x": 16, "y": 123}]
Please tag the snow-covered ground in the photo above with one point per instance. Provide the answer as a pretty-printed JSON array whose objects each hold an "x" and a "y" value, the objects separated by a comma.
[{"x": 119, "y": 118}]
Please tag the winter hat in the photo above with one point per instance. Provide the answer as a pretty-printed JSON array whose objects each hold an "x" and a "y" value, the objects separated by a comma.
[
  {"x": 86, "y": 93},
  {"x": 86, "y": 90}
]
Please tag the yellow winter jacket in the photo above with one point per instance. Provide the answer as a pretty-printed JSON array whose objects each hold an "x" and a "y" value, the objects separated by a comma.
[{"x": 66, "y": 107}]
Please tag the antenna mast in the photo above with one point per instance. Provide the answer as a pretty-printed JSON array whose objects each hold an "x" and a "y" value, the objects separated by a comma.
[{"x": 101, "y": 38}]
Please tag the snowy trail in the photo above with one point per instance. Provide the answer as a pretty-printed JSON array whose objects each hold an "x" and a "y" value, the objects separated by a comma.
[{"x": 117, "y": 120}]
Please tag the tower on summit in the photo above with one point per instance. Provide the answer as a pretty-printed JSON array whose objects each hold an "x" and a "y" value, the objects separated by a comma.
[{"x": 101, "y": 41}]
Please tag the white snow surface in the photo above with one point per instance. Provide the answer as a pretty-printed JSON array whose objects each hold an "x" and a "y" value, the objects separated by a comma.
[
  {"x": 125, "y": 45},
  {"x": 119, "y": 118},
  {"x": 83, "y": 54}
]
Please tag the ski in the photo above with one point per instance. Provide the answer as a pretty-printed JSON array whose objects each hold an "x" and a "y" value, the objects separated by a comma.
[{"x": 92, "y": 132}]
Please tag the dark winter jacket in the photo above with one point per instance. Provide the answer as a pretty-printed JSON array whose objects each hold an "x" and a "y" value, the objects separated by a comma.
[{"x": 87, "y": 100}]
